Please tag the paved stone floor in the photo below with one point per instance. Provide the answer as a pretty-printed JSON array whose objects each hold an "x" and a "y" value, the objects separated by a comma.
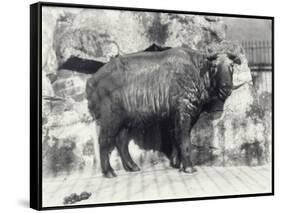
[{"x": 158, "y": 182}]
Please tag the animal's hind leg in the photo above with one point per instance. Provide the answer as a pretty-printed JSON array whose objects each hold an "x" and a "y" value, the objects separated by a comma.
[
  {"x": 122, "y": 143},
  {"x": 106, "y": 145},
  {"x": 175, "y": 157}
]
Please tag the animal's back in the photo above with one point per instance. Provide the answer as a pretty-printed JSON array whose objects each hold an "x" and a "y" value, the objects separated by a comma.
[
  {"x": 146, "y": 60},
  {"x": 146, "y": 83}
]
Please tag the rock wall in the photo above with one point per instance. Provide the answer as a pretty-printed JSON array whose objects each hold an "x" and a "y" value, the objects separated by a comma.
[{"x": 70, "y": 135}]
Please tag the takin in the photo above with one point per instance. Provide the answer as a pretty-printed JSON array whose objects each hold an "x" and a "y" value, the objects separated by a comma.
[{"x": 170, "y": 86}]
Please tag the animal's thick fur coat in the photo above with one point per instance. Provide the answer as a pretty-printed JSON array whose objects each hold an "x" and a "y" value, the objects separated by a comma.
[{"x": 172, "y": 85}]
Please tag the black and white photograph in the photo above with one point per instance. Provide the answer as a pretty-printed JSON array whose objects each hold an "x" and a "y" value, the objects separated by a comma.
[{"x": 142, "y": 105}]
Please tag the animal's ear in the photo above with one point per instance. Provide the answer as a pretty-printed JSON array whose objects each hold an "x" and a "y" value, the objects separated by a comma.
[{"x": 236, "y": 59}]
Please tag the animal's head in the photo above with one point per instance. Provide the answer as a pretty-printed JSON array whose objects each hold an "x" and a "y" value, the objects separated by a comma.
[{"x": 220, "y": 67}]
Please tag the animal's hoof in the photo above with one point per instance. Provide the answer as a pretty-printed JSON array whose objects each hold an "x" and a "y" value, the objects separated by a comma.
[
  {"x": 135, "y": 168},
  {"x": 194, "y": 169},
  {"x": 189, "y": 170},
  {"x": 175, "y": 164},
  {"x": 131, "y": 168},
  {"x": 109, "y": 174}
]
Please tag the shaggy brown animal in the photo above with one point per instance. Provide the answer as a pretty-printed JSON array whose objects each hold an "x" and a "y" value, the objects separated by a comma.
[
  {"x": 151, "y": 94},
  {"x": 139, "y": 88}
]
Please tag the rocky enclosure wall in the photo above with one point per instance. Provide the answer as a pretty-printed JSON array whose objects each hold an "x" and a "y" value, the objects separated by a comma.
[{"x": 232, "y": 135}]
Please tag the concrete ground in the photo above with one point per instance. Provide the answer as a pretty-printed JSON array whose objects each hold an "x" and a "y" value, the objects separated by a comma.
[{"x": 157, "y": 182}]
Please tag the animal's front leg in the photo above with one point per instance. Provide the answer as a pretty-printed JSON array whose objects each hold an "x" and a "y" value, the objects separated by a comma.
[{"x": 186, "y": 149}]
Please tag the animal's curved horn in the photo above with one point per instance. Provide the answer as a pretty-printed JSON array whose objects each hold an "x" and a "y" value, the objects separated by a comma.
[
  {"x": 235, "y": 58},
  {"x": 231, "y": 55},
  {"x": 212, "y": 57},
  {"x": 238, "y": 86}
]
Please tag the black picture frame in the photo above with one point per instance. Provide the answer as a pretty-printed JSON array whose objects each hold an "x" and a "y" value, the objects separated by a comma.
[{"x": 36, "y": 101}]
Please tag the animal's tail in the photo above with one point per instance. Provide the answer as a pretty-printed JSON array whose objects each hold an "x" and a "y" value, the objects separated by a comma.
[{"x": 80, "y": 65}]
